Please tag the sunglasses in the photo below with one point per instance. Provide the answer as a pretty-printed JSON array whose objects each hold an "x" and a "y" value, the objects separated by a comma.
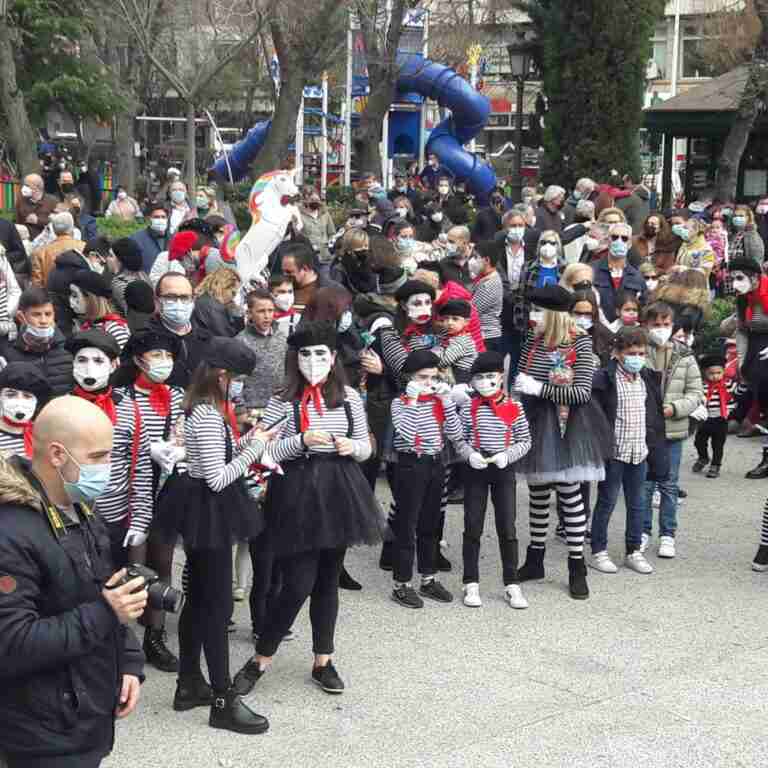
[
  {"x": 584, "y": 285},
  {"x": 549, "y": 242},
  {"x": 625, "y": 238}
]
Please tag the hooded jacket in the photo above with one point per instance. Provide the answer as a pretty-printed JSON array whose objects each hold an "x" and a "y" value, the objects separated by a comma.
[{"x": 62, "y": 650}]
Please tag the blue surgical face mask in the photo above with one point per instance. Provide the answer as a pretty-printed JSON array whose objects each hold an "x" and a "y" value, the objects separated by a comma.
[
  {"x": 92, "y": 481},
  {"x": 739, "y": 222},
  {"x": 681, "y": 231},
  {"x": 619, "y": 248},
  {"x": 235, "y": 391},
  {"x": 633, "y": 363},
  {"x": 158, "y": 225},
  {"x": 176, "y": 313},
  {"x": 516, "y": 234},
  {"x": 405, "y": 243},
  {"x": 39, "y": 334},
  {"x": 576, "y": 195}
]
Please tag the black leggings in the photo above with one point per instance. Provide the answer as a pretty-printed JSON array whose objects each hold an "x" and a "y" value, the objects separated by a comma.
[
  {"x": 203, "y": 621},
  {"x": 715, "y": 430},
  {"x": 267, "y": 581},
  {"x": 313, "y": 575}
]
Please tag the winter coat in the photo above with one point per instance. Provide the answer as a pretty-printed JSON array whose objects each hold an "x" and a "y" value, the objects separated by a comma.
[
  {"x": 636, "y": 208},
  {"x": 697, "y": 253},
  {"x": 59, "y": 280},
  {"x": 14, "y": 248},
  {"x": 605, "y": 393},
  {"x": 63, "y": 652},
  {"x": 269, "y": 372},
  {"x": 55, "y": 362},
  {"x": 631, "y": 280},
  {"x": 681, "y": 385},
  {"x": 546, "y": 219},
  {"x": 43, "y": 209},
  {"x": 319, "y": 230},
  {"x": 150, "y": 246},
  {"x": 748, "y": 245},
  {"x": 487, "y": 224},
  {"x": 44, "y": 259},
  {"x": 212, "y": 316}
]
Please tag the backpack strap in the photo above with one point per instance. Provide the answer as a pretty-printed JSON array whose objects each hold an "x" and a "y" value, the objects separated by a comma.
[
  {"x": 135, "y": 443},
  {"x": 350, "y": 421}
]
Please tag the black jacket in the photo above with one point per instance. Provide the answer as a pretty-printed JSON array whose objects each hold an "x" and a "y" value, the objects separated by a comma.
[
  {"x": 55, "y": 362},
  {"x": 59, "y": 280},
  {"x": 631, "y": 280},
  {"x": 487, "y": 224},
  {"x": 62, "y": 650},
  {"x": 212, "y": 316},
  {"x": 14, "y": 248},
  {"x": 604, "y": 392}
]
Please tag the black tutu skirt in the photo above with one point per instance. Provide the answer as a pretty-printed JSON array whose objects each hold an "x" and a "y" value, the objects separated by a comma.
[
  {"x": 322, "y": 502},
  {"x": 187, "y": 507},
  {"x": 577, "y": 457}
]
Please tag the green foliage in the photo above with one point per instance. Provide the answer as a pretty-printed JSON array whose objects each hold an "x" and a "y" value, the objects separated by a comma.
[
  {"x": 114, "y": 229},
  {"x": 340, "y": 196},
  {"x": 710, "y": 331}
]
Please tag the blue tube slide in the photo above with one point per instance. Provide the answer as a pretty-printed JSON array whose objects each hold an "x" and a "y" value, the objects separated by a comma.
[{"x": 242, "y": 154}]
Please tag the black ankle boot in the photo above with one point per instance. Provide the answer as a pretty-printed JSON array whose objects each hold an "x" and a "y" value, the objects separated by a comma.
[
  {"x": 230, "y": 713},
  {"x": 760, "y": 472},
  {"x": 577, "y": 578},
  {"x": 157, "y": 652},
  {"x": 192, "y": 691},
  {"x": 533, "y": 569},
  {"x": 347, "y": 582}
]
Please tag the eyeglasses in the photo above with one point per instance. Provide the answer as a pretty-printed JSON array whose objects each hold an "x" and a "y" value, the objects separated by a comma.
[{"x": 625, "y": 238}]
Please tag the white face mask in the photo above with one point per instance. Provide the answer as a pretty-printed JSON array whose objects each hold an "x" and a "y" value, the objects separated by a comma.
[
  {"x": 548, "y": 253},
  {"x": 402, "y": 212},
  {"x": 76, "y": 300},
  {"x": 476, "y": 267},
  {"x": 486, "y": 384},
  {"x": 437, "y": 217},
  {"x": 742, "y": 285},
  {"x": 19, "y": 410},
  {"x": 660, "y": 336},
  {"x": 585, "y": 323},
  {"x": 419, "y": 307},
  {"x": 651, "y": 284},
  {"x": 26, "y": 192},
  {"x": 591, "y": 243},
  {"x": 122, "y": 195},
  {"x": 92, "y": 374},
  {"x": 315, "y": 363},
  {"x": 283, "y": 301},
  {"x": 158, "y": 370}
]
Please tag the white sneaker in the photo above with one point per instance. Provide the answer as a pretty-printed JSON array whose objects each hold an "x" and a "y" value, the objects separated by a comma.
[
  {"x": 636, "y": 562},
  {"x": 656, "y": 503},
  {"x": 472, "y": 595},
  {"x": 238, "y": 594},
  {"x": 603, "y": 563},
  {"x": 667, "y": 546},
  {"x": 645, "y": 540},
  {"x": 515, "y": 596}
]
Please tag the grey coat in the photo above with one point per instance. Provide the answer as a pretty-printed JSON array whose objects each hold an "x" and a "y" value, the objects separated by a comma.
[{"x": 267, "y": 377}]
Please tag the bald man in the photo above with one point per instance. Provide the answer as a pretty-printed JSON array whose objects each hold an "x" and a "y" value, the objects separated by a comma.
[
  {"x": 68, "y": 663},
  {"x": 33, "y": 206}
]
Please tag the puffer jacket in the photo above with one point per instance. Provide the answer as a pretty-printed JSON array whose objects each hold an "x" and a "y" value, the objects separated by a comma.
[
  {"x": 681, "y": 385},
  {"x": 55, "y": 361}
]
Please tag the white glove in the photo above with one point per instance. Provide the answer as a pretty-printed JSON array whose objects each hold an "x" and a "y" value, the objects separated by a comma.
[
  {"x": 700, "y": 414},
  {"x": 501, "y": 460},
  {"x": 134, "y": 539},
  {"x": 477, "y": 460},
  {"x": 460, "y": 395},
  {"x": 763, "y": 353},
  {"x": 442, "y": 388},
  {"x": 413, "y": 390},
  {"x": 267, "y": 461},
  {"x": 527, "y": 385}
]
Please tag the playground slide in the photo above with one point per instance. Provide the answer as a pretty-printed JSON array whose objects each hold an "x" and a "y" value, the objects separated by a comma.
[{"x": 241, "y": 155}]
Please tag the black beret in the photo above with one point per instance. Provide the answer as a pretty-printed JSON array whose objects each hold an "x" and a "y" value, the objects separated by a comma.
[
  {"x": 140, "y": 297},
  {"x": 232, "y": 355},
  {"x": 147, "y": 340},
  {"x": 412, "y": 287},
  {"x": 100, "y": 244},
  {"x": 748, "y": 266},
  {"x": 420, "y": 359},
  {"x": 26, "y": 377},
  {"x": 128, "y": 253},
  {"x": 201, "y": 226},
  {"x": 314, "y": 333},
  {"x": 455, "y": 308},
  {"x": 710, "y": 359},
  {"x": 553, "y": 297},
  {"x": 488, "y": 362},
  {"x": 92, "y": 282},
  {"x": 94, "y": 337}
]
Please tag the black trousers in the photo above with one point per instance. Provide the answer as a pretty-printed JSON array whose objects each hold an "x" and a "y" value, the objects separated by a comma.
[
  {"x": 267, "y": 581},
  {"x": 203, "y": 620},
  {"x": 313, "y": 575},
  {"x": 418, "y": 489},
  {"x": 715, "y": 430},
  {"x": 503, "y": 488},
  {"x": 87, "y": 760}
]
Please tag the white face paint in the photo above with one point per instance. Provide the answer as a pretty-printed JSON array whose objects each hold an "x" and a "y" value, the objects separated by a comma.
[
  {"x": 741, "y": 282},
  {"x": 92, "y": 369},
  {"x": 419, "y": 308},
  {"x": 77, "y": 300},
  {"x": 315, "y": 363},
  {"x": 536, "y": 319},
  {"x": 18, "y": 407},
  {"x": 487, "y": 384}
]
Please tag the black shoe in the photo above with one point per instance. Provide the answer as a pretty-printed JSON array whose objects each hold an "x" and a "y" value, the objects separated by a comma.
[
  {"x": 533, "y": 568},
  {"x": 456, "y": 497},
  {"x": 577, "y": 578},
  {"x": 443, "y": 563},
  {"x": 406, "y": 595},
  {"x": 761, "y": 470},
  {"x": 231, "y": 713},
  {"x": 347, "y": 582},
  {"x": 714, "y": 471},
  {"x": 192, "y": 691},
  {"x": 682, "y": 494},
  {"x": 157, "y": 652},
  {"x": 247, "y": 677},
  {"x": 699, "y": 465},
  {"x": 328, "y": 678},
  {"x": 385, "y": 561},
  {"x": 760, "y": 563},
  {"x": 434, "y": 590}
]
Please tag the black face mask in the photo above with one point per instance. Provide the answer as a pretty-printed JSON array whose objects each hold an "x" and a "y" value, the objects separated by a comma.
[{"x": 66, "y": 188}]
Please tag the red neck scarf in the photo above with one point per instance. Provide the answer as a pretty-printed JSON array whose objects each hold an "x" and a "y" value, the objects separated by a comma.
[
  {"x": 102, "y": 399},
  {"x": 506, "y": 410},
  {"x": 27, "y": 433},
  {"x": 480, "y": 278},
  {"x": 760, "y": 294},
  {"x": 159, "y": 394},
  {"x": 313, "y": 393},
  {"x": 415, "y": 329},
  {"x": 228, "y": 411},
  {"x": 437, "y": 411},
  {"x": 725, "y": 395},
  {"x": 111, "y": 317},
  {"x": 281, "y": 313}
]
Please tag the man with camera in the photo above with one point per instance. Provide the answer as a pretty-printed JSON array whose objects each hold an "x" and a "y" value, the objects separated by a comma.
[{"x": 69, "y": 665}]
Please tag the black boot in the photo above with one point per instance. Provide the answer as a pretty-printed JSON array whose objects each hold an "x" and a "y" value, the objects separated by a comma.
[
  {"x": 760, "y": 563},
  {"x": 192, "y": 691},
  {"x": 157, "y": 652},
  {"x": 533, "y": 569},
  {"x": 385, "y": 561},
  {"x": 347, "y": 582},
  {"x": 577, "y": 578},
  {"x": 231, "y": 713},
  {"x": 713, "y": 471},
  {"x": 760, "y": 472}
]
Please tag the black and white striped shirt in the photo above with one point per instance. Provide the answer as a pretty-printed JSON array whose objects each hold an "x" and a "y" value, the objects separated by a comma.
[
  {"x": 492, "y": 435},
  {"x": 205, "y": 438},
  {"x": 458, "y": 352},
  {"x": 288, "y": 444},
  {"x": 11, "y": 445},
  {"x": 396, "y": 348},
  {"x": 488, "y": 297},
  {"x": 118, "y": 331},
  {"x": 537, "y": 361},
  {"x": 418, "y": 431},
  {"x": 712, "y": 394}
]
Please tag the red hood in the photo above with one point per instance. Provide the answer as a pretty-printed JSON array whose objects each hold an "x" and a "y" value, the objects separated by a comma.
[{"x": 454, "y": 290}]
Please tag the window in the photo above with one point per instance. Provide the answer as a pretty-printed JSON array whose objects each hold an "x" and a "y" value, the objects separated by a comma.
[
  {"x": 659, "y": 46},
  {"x": 695, "y": 55}
]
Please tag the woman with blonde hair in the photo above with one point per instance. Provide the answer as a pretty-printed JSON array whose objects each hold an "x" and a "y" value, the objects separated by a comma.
[
  {"x": 611, "y": 216},
  {"x": 218, "y": 303},
  {"x": 90, "y": 298},
  {"x": 571, "y": 437},
  {"x": 352, "y": 266}
]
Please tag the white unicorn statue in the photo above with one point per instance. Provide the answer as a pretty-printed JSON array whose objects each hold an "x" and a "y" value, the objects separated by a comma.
[{"x": 273, "y": 207}]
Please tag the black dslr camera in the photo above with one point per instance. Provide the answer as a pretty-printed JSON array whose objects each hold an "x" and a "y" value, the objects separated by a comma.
[{"x": 162, "y": 597}]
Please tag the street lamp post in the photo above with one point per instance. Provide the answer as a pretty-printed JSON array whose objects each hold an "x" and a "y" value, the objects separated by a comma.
[{"x": 520, "y": 67}]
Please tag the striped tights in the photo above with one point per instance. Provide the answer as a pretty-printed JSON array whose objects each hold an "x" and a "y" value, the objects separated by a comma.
[
  {"x": 764, "y": 529},
  {"x": 574, "y": 517}
]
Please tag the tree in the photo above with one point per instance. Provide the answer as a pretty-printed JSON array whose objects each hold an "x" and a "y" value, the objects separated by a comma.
[{"x": 592, "y": 55}]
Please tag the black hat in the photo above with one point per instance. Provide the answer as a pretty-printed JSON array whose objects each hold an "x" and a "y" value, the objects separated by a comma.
[
  {"x": 92, "y": 282},
  {"x": 488, "y": 362},
  {"x": 100, "y": 244},
  {"x": 709, "y": 359},
  {"x": 26, "y": 377},
  {"x": 314, "y": 333},
  {"x": 230, "y": 354},
  {"x": 140, "y": 297},
  {"x": 748, "y": 266},
  {"x": 553, "y": 297},
  {"x": 201, "y": 226},
  {"x": 418, "y": 360},
  {"x": 128, "y": 253},
  {"x": 94, "y": 337},
  {"x": 412, "y": 287},
  {"x": 455, "y": 308},
  {"x": 147, "y": 340}
]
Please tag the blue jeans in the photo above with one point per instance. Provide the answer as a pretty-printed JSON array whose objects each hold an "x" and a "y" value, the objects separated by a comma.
[
  {"x": 668, "y": 489},
  {"x": 632, "y": 477}
]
